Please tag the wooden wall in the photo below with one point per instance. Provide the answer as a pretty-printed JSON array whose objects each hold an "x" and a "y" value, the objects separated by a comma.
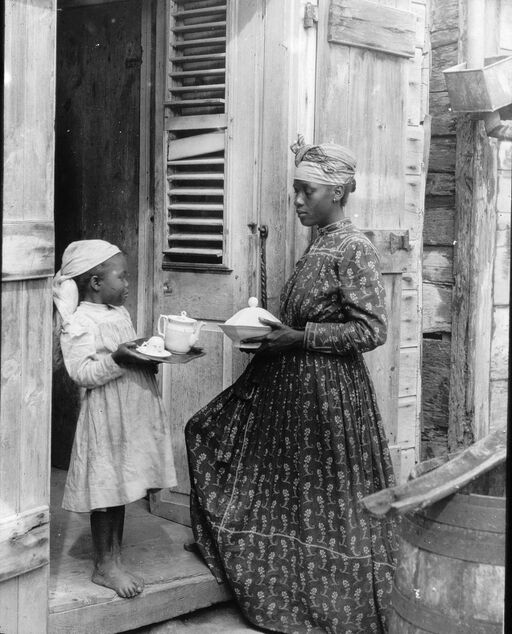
[
  {"x": 27, "y": 267},
  {"x": 452, "y": 259}
]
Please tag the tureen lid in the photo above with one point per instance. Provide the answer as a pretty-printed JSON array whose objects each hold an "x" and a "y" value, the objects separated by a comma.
[
  {"x": 250, "y": 316},
  {"x": 181, "y": 318}
]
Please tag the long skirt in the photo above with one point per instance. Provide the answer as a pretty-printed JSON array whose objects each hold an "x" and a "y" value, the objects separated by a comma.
[{"x": 279, "y": 463}]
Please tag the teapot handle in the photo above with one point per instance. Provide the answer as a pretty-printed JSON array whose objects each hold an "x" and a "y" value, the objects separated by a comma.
[{"x": 161, "y": 331}]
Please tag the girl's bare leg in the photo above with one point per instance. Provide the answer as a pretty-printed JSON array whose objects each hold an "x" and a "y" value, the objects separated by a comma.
[{"x": 107, "y": 534}]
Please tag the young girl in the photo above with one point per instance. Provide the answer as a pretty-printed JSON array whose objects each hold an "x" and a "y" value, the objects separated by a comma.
[{"x": 122, "y": 444}]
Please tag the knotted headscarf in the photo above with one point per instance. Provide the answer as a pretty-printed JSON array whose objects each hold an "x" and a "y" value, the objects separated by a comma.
[
  {"x": 327, "y": 164},
  {"x": 78, "y": 258}
]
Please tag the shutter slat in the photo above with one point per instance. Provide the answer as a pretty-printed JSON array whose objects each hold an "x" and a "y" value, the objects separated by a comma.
[
  {"x": 197, "y": 161},
  {"x": 184, "y": 74},
  {"x": 196, "y": 207},
  {"x": 194, "y": 251},
  {"x": 204, "y": 41},
  {"x": 192, "y": 13},
  {"x": 196, "y": 222},
  {"x": 200, "y": 88},
  {"x": 205, "y": 237},
  {"x": 201, "y": 26},
  {"x": 197, "y": 176},
  {"x": 196, "y": 191},
  {"x": 177, "y": 59},
  {"x": 214, "y": 101}
]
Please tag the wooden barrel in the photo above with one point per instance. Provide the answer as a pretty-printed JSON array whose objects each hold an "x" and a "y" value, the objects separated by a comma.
[{"x": 450, "y": 577}]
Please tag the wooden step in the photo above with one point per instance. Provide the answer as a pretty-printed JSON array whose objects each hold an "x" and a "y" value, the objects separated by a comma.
[
  {"x": 200, "y": 26},
  {"x": 196, "y": 176},
  {"x": 206, "y": 222},
  {"x": 176, "y": 59},
  {"x": 193, "y": 251},
  {"x": 194, "y": 73},
  {"x": 196, "y": 191},
  {"x": 204, "y": 41},
  {"x": 196, "y": 237},
  {"x": 200, "y": 88},
  {"x": 197, "y": 161},
  {"x": 192, "y": 13}
]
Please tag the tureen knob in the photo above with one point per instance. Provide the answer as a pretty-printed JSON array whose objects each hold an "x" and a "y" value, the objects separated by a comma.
[
  {"x": 183, "y": 313},
  {"x": 253, "y": 302}
]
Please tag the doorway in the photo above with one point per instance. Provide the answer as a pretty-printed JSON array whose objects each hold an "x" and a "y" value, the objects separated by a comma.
[{"x": 103, "y": 185}]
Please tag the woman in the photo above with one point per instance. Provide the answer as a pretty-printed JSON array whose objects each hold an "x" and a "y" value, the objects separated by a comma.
[{"x": 280, "y": 460}]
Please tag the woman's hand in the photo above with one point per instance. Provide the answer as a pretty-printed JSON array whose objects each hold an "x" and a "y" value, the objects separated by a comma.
[
  {"x": 280, "y": 339},
  {"x": 124, "y": 355}
]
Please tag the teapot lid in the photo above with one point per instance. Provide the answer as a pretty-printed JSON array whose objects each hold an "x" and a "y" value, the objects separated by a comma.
[
  {"x": 250, "y": 316},
  {"x": 181, "y": 318}
]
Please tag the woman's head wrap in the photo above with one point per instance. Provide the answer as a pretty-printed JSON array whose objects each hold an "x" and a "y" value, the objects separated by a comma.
[
  {"x": 78, "y": 258},
  {"x": 327, "y": 164}
]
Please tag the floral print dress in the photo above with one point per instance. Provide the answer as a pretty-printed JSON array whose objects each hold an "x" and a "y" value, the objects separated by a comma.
[{"x": 280, "y": 461}]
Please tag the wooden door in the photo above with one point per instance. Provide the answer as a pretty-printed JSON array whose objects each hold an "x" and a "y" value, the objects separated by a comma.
[
  {"x": 27, "y": 267},
  {"x": 369, "y": 84},
  {"x": 226, "y": 173}
]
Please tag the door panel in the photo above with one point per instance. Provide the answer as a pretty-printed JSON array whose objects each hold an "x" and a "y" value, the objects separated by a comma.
[{"x": 367, "y": 57}]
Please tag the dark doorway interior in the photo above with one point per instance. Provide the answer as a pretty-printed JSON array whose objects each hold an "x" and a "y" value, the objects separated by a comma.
[{"x": 99, "y": 56}]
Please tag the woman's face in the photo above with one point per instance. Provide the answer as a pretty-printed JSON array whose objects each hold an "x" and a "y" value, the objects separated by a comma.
[{"x": 314, "y": 203}]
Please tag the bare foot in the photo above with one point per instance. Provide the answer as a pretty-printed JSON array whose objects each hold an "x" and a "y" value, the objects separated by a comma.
[{"x": 113, "y": 575}]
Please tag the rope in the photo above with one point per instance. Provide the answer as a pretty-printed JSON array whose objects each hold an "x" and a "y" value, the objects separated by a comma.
[{"x": 263, "y": 264}]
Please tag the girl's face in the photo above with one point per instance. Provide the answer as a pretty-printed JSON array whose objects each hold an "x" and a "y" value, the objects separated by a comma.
[
  {"x": 112, "y": 287},
  {"x": 314, "y": 203}
]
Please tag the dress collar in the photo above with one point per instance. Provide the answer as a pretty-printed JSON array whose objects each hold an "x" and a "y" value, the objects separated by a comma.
[{"x": 340, "y": 225}]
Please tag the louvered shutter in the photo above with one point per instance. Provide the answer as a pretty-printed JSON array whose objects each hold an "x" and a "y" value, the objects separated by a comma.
[{"x": 196, "y": 132}]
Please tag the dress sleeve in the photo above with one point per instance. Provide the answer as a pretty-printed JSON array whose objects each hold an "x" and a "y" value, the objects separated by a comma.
[
  {"x": 362, "y": 295},
  {"x": 83, "y": 364}
]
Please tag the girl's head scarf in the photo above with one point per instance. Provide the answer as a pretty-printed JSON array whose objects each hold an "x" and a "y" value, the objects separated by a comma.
[
  {"x": 78, "y": 258},
  {"x": 326, "y": 164}
]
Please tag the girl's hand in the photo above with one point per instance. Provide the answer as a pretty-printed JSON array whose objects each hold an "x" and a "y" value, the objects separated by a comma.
[
  {"x": 280, "y": 339},
  {"x": 124, "y": 355}
]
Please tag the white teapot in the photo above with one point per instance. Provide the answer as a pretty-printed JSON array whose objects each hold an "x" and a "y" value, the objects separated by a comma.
[{"x": 180, "y": 332}]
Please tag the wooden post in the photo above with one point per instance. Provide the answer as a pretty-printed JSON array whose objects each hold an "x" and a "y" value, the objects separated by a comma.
[{"x": 475, "y": 236}]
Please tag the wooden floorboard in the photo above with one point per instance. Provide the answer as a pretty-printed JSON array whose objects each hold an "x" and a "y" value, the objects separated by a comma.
[{"x": 177, "y": 581}]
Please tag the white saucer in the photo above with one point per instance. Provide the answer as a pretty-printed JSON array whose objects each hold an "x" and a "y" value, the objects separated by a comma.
[{"x": 161, "y": 355}]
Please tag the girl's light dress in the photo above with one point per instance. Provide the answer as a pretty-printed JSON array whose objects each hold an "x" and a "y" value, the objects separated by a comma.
[{"x": 122, "y": 444}]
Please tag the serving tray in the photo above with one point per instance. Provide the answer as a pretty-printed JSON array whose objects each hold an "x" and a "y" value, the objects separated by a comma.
[{"x": 173, "y": 358}]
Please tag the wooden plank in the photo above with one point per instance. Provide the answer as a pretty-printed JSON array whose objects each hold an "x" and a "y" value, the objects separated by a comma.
[
  {"x": 500, "y": 343},
  {"x": 415, "y": 87},
  {"x": 435, "y": 373},
  {"x": 501, "y": 281},
  {"x": 403, "y": 461},
  {"x": 195, "y": 145},
  {"x": 440, "y": 184},
  {"x": 29, "y": 102},
  {"x": 372, "y": 26},
  {"x": 441, "y": 482},
  {"x": 384, "y": 363},
  {"x": 499, "y": 403},
  {"x": 442, "y": 154},
  {"x": 414, "y": 150},
  {"x": 409, "y": 318},
  {"x": 444, "y": 120},
  {"x": 444, "y": 19},
  {"x": 145, "y": 254},
  {"x": 503, "y": 196},
  {"x": 443, "y": 57},
  {"x": 505, "y": 31},
  {"x": 437, "y": 307},
  {"x": 407, "y": 421},
  {"x": 24, "y": 542},
  {"x": 438, "y": 264},
  {"x": 27, "y": 250},
  {"x": 409, "y": 359},
  {"x": 439, "y": 225},
  {"x": 196, "y": 122}
]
